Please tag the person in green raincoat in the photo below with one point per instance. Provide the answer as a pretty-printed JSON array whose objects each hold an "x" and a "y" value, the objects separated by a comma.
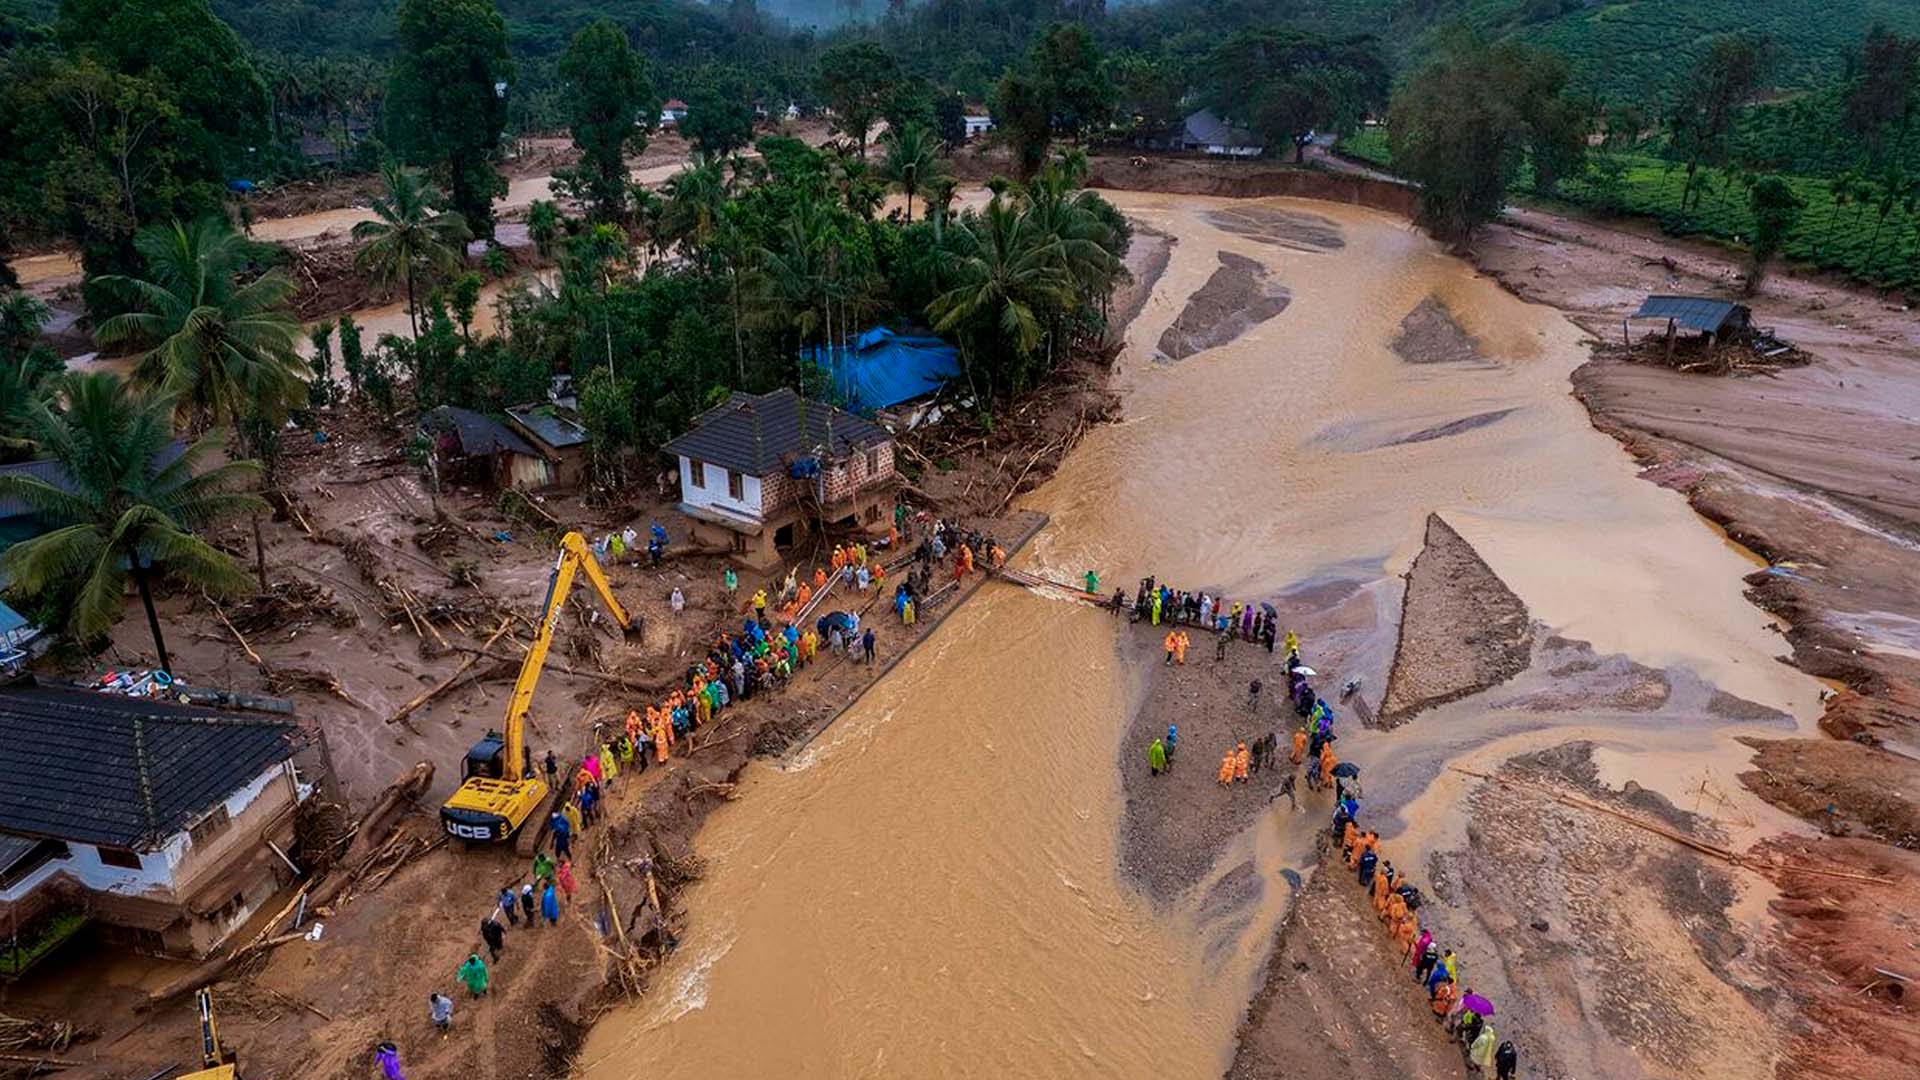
[
  {"x": 733, "y": 582},
  {"x": 1093, "y": 583},
  {"x": 474, "y": 974},
  {"x": 1157, "y": 757},
  {"x": 1156, "y": 609},
  {"x": 542, "y": 866}
]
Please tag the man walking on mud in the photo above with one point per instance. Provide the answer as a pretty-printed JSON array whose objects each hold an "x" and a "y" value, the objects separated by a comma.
[{"x": 1286, "y": 788}]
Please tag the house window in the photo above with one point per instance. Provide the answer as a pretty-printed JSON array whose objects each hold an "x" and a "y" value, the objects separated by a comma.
[
  {"x": 873, "y": 514},
  {"x": 873, "y": 463},
  {"x": 736, "y": 487},
  {"x": 210, "y": 826},
  {"x": 698, "y": 471},
  {"x": 120, "y": 857}
]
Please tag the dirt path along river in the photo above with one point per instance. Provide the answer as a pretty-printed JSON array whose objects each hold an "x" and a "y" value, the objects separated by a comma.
[{"x": 934, "y": 887}]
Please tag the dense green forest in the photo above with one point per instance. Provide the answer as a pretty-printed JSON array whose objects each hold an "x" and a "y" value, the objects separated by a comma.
[{"x": 133, "y": 129}]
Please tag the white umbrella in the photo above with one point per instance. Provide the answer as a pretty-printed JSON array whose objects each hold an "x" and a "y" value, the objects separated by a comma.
[{"x": 1305, "y": 670}]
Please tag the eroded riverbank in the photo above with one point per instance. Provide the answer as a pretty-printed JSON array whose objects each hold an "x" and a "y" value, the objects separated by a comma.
[{"x": 941, "y": 882}]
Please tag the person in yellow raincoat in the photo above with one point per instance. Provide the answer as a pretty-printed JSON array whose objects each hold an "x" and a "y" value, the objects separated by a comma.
[
  {"x": 1240, "y": 760},
  {"x": 906, "y": 613},
  {"x": 1292, "y": 645},
  {"x": 1226, "y": 769},
  {"x": 608, "y": 767}
]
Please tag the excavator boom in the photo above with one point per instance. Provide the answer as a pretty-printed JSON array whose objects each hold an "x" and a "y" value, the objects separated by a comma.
[
  {"x": 492, "y": 807},
  {"x": 574, "y": 556}
]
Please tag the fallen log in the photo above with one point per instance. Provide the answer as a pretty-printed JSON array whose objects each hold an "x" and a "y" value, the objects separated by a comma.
[
  {"x": 1726, "y": 855},
  {"x": 651, "y": 686},
  {"x": 446, "y": 684},
  {"x": 375, "y": 826}
]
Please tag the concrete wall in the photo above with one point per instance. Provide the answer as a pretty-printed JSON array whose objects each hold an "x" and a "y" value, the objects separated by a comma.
[
  {"x": 170, "y": 876},
  {"x": 714, "y": 495}
]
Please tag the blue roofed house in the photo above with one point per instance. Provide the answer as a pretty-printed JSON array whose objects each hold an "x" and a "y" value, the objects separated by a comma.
[{"x": 881, "y": 368}]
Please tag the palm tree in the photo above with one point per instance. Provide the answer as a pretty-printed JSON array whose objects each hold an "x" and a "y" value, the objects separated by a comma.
[
  {"x": 217, "y": 348},
  {"x": 1009, "y": 276},
  {"x": 910, "y": 160},
  {"x": 129, "y": 512},
  {"x": 543, "y": 226},
  {"x": 695, "y": 198},
  {"x": 410, "y": 234}
]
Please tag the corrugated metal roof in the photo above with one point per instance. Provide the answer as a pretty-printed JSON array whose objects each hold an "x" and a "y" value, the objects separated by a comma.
[
  {"x": 478, "y": 434},
  {"x": 548, "y": 425},
  {"x": 100, "y": 768},
  {"x": 754, "y": 434},
  {"x": 1702, "y": 313}
]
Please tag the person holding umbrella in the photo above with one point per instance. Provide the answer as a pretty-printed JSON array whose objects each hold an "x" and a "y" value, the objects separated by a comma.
[{"x": 1474, "y": 1011}]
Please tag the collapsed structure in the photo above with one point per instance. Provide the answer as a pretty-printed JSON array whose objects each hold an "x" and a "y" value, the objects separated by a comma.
[{"x": 168, "y": 826}]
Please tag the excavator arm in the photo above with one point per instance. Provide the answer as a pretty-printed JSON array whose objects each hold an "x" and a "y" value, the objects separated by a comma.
[
  {"x": 574, "y": 556},
  {"x": 498, "y": 793}
]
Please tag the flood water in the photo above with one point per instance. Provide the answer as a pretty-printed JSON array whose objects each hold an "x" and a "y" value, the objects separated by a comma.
[{"x": 932, "y": 887}]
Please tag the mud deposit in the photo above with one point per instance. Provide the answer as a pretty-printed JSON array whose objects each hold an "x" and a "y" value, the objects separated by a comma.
[
  {"x": 1177, "y": 825},
  {"x": 1638, "y": 952},
  {"x": 1338, "y": 1002},
  {"x": 1429, "y": 335},
  {"x": 1461, "y": 629},
  {"x": 1236, "y": 298},
  {"x": 1293, "y": 229}
]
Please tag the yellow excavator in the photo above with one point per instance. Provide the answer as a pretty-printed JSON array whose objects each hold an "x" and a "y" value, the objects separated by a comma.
[
  {"x": 500, "y": 787},
  {"x": 215, "y": 1063}
]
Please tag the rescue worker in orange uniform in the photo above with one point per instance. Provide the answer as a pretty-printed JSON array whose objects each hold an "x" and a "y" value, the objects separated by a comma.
[
  {"x": 1443, "y": 995},
  {"x": 1226, "y": 769},
  {"x": 1173, "y": 645},
  {"x": 1327, "y": 762},
  {"x": 1180, "y": 642},
  {"x": 1396, "y": 910},
  {"x": 1299, "y": 746},
  {"x": 1240, "y": 760},
  {"x": 1380, "y": 888}
]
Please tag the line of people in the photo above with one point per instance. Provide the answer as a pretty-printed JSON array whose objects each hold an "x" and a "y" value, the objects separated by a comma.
[{"x": 1241, "y": 620}]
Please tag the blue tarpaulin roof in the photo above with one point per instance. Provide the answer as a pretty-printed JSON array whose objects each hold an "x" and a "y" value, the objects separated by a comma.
[{"x": 881, "y": 368}]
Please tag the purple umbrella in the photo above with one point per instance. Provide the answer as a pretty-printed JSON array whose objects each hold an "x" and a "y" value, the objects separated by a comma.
[{"x": 1478, "y": 1004}]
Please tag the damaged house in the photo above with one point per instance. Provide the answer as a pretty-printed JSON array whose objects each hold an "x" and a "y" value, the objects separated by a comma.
[
  {"x": 759, "y": 472},
  {"x": 165, "y": 826}
]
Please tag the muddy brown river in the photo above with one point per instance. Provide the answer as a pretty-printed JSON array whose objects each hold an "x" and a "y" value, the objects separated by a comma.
[{"x": 932, "y": 888}]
